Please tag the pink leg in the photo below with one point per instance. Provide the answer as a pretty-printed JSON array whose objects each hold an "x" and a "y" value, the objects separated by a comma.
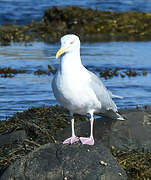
[
  {"x": 73, "y": 138},
  {"x": 90, "y": 140}
]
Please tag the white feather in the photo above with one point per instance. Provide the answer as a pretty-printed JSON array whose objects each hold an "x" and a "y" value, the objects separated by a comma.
[{"x": 78, "y": 89}]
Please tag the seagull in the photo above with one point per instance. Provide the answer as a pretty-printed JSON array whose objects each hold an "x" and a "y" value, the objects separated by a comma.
[{"x": 79, "y": 90}]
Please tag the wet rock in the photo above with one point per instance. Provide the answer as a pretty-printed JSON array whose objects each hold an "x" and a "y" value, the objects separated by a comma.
[
  {"x": 10, "y": 72},
  {"x": 107, "y": 25},
  {"x": 134, "y": 133},
  {"x": 128, "y": 134},
  {"x": 18, "y": 135},
  {"x": 31, "y": 130},
  {"x": 102, "y": 129},
  {"x": 40, "y": 126},
  {"x": 147, "y": 107},
  {"x": 122, "y": 75},
  {"x": 144, "y": 73},
  {"x": 110, "y": 73},
  {"x": 40, "y": 72},
  {"x": 106, "y": 74},
  {"x": 130, "y": 73},
  {"x": 89, "y": 24},
  {"x": 14, "y": 33},
  {"x": 51, "y": 69},
  {"x": 53, "y": 161},
  {"x": 128, "y": 140}
]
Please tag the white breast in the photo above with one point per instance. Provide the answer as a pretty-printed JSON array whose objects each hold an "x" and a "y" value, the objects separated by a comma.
[{"x": 74, "y": 93}]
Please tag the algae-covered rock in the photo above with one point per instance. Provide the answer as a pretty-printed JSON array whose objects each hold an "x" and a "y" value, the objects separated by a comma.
[
  {"x": 30, "y": 129},
  {"x": 89, "y": 24},
  {"x": 10, "y": 72},
  {"x": 101, "y": 25},
  {"x": 54, "y": 162},
  {"x": 23, "y": 140}
]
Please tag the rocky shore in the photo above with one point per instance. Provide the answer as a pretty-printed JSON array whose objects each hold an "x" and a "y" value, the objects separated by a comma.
[
  {"x": 31, "y": 146},
  {"x": 8, "y": 72},
  {"x": 90, "y": 25}
]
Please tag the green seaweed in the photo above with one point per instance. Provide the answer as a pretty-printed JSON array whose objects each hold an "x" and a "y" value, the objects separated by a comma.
[
  {"x": 42, "y": 125},
  {"x": 10, "y": 72},
  {"x": 89, "y": 24},
  {"x": 136, "y": 163}
]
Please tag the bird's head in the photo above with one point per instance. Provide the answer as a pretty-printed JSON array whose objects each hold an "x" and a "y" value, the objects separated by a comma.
[{"x": 69, "y": 43}]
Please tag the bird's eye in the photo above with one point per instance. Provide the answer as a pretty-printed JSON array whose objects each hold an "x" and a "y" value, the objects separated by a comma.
[{"x": 71, "y": 42}]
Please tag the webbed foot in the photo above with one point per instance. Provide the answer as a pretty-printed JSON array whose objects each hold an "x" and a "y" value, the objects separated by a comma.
[
  {"x": 71, "y": 140},
  {"x": 89, "y": 141}
]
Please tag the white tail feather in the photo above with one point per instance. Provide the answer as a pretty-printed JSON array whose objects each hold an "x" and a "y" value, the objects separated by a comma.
[
  {"x": 114, "y": 96},
  {"x": 119, "y": 117}
]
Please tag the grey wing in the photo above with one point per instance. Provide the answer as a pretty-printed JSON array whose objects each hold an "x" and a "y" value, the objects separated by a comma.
[{"x": 102, "y": 93}]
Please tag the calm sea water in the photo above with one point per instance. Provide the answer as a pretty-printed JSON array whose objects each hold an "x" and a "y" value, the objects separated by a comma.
[
  {"x": 27, "y": 90},
  {"x": 24, "y": 11}
]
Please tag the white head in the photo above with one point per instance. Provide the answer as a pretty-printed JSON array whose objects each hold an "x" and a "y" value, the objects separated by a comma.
[{"x": 69, "y": 43}]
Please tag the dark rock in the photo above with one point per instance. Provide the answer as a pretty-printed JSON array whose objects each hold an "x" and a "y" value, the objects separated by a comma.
[
  {"x": 57, "y": 162},
  {"x": 19, "y": 135},
  {"x": 144, "y": 73},
  {"x": 10, "y": 72},
  {"x": 134, "y": 132},
  {"x": 147, "y": 107},
  {"x": 23, "y": 149},
  {"x": 102, "y": 130},
  {"x": 122, "y": 75},
  {"x": 110, "y": 73},
  {"x": 128, "y": 140},
  {"x": 51, "y": 70},
  {"x": 40, "y": 72},
  {"x": 131, "y": 73},
  {"x": 89, "y": 24}
]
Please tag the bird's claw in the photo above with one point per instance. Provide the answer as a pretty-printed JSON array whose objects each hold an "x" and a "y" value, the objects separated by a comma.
[
  {"x": 89, "y": 141},
  {"x": 71, "y": 140}
]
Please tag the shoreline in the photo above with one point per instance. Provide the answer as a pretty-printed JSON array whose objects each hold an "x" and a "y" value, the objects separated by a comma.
[
  {"x": 90, "y": 25},
  {"x": 42, "y": 128}
]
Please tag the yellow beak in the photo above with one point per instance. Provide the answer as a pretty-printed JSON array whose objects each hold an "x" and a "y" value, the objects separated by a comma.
[{"x": 60, "y": 51}]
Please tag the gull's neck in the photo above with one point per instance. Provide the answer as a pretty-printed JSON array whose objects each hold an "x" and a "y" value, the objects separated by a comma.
[{"x": 70, "y": 62}]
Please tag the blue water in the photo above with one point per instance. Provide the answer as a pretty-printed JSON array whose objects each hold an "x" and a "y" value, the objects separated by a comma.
[
  {"x": 24, "y": 11},
  {"x": 27, "y": 90}
]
